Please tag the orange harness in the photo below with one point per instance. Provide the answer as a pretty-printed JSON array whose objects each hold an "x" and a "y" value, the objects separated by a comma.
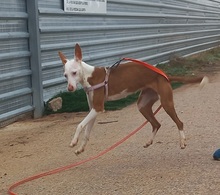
[{"x": 151, "y": 67}]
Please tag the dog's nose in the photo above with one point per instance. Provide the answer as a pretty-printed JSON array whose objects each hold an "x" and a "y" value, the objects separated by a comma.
[{"x": 70, "y": 88}]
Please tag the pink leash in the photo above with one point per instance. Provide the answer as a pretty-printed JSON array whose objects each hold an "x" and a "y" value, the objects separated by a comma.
[{"x": 58, "y": 170}]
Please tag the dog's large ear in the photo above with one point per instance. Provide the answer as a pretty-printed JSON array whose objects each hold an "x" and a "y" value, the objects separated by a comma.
[
  {"x": 78, "y": 53},
  {"x": 62, "y": 57}
]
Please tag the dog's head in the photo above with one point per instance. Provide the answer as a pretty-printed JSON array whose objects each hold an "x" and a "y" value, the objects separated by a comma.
[{"x": 72, "y": 68}]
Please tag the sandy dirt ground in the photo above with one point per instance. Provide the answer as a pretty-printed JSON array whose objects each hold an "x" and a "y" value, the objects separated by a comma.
[{"x": 31, "y": 147}]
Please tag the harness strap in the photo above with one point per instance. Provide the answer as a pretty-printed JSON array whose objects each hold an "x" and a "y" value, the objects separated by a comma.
[
  {"x": 151, "y": 67},
  {"x": 97, "y": 86}
]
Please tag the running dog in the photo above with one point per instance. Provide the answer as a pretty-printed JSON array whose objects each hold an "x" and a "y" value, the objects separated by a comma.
[{"x": 112, "y": 83}]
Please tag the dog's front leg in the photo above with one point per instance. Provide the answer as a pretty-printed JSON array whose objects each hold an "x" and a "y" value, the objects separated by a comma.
[
  {"x": 88, "y": 129},
  {"x": 90, "y": 118}
]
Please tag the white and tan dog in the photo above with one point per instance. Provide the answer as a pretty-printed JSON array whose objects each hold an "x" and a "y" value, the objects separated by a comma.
[{"x": 103, "y": 84}]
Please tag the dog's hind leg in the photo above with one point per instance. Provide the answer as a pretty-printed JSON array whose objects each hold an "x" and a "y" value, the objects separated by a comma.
[
  {"x": 145, "y": 102},
  {"x": 166, "y": 97}
]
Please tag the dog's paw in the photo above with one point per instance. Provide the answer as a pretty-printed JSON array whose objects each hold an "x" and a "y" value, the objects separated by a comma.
[
  {"x": 79, "y": 151},
  {"x": 148, "y": 144},
  {"x": 182, "y": 145},
  {"x": 73, "y": 143}
]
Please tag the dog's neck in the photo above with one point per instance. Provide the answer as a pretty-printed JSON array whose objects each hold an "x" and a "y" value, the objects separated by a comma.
[{"x": 87, "y": 71}]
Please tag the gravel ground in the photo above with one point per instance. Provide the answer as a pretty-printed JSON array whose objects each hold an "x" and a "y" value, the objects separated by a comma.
[{"x": 30, "y": 147}]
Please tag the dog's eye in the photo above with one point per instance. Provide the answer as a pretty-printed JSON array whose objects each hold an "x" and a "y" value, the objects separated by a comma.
[{"x": 73, "y": 73}]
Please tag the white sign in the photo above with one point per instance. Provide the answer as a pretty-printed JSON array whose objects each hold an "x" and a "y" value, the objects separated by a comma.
[{"x": 85, "y": 6}]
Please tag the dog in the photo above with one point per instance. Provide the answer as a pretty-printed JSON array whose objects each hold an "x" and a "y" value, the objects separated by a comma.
[{"x": 112, "y": 83}]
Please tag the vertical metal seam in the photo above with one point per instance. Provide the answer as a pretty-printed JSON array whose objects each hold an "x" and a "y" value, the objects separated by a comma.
[{"x": 35, "y": 58}]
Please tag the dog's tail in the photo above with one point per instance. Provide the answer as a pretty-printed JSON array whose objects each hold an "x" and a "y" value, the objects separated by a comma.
[{"x": 202, "y": 80}]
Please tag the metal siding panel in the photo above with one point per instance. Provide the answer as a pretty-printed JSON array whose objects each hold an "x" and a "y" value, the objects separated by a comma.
[
  {"x": 150, "y": 30},
  {"x": 13, "y": 6},
  {"x": 15, "y": 73}
]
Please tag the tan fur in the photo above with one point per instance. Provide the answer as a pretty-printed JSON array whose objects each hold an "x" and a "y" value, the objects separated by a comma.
[{"x": 121, "y": 78}]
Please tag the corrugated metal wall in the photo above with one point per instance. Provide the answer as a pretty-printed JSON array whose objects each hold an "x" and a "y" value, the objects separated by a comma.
[
  {"x": 150, "y": 30},
  {"x": 15, "y": 72}
]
